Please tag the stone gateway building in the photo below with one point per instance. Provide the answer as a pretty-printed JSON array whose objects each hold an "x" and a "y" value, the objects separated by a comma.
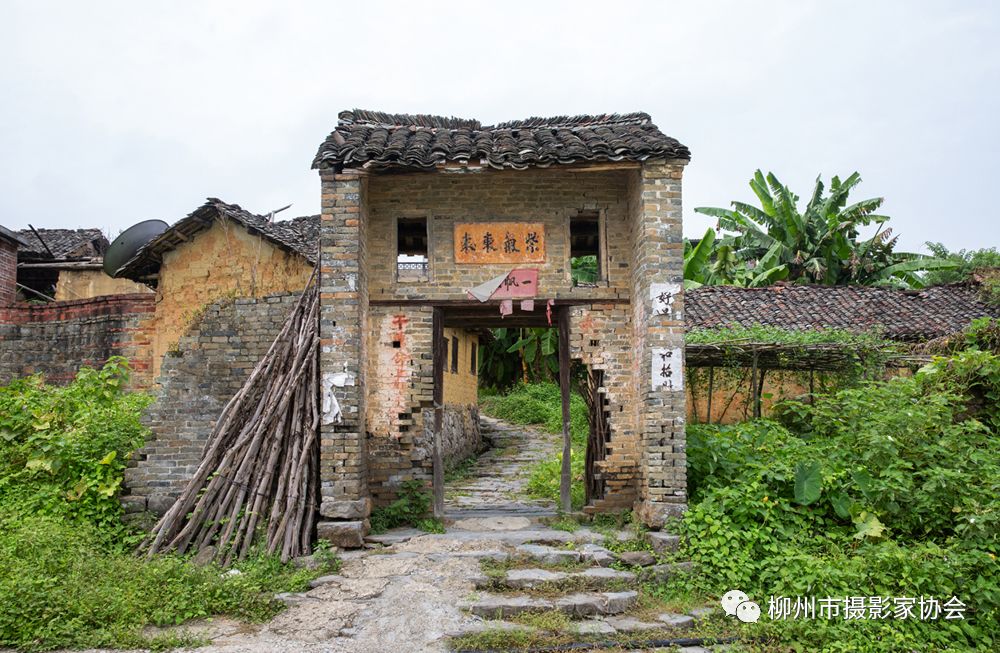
[
  {"x": 432, "y": 223},
  {"x": 432, "y": 230}
]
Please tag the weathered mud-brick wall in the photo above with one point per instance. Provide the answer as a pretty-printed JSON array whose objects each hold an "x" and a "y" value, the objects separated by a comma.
[
  {"x": 59, "y": 338},
  {"x": 8, "y": 272},
  {"x": 601, "y": 336},
  {"x": 209, "y": 365},
  {"x": 547, "y": 196},
  {"x": 343, "y": 352},
  {"x": 222, "y": 262},
  {"x": 82, "y": 284},
  {"x": 400, "y": 386},
  {"x": 399, "y": 400},
  {"x": 658, "y": 325}
]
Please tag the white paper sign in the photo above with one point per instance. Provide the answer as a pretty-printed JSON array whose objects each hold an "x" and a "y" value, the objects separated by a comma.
[
  {"x": 666, "y": 369},
  {"x": 332, "y": 413},
  {"x": 663, "y": 295}
]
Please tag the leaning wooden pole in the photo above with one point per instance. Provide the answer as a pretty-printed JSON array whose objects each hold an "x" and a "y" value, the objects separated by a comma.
[
  {"x": 257, "y": 481},
  {"x": 566, "y": 479}
]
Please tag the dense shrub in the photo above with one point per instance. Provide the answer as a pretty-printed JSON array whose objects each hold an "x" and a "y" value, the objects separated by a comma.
[
  {"x": 63, "y": 449},
  {"x": 889, "y": 489},
  {"x": 68, "y": 577}
]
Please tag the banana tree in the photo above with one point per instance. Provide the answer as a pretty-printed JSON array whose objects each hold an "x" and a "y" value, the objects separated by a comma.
[{"x": 819, "y": 244}]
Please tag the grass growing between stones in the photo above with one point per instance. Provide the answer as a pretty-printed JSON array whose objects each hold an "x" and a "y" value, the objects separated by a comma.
[
  {"x": 540, "y": 404},
  {"x": 497, "y": 568}
]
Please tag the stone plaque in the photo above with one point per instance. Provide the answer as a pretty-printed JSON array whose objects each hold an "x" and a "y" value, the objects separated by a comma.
[{"x": 499, "y": 242}]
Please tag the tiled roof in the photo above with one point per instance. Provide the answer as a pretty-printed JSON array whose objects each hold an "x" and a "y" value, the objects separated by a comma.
[
  {"x": 7, "y": 234},
  {"x": 64, "y": 243},
  {"x": 298, "y": 235},
  {"x": 902, "y": 314},
  {"x": 375, "y": 139}
]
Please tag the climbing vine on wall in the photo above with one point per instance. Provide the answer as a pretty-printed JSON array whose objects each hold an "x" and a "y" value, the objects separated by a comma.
[{"x": 729, "y": 365}]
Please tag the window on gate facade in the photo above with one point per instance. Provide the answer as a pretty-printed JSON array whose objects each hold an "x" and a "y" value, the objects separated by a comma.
[
  {"x": 411, "y": 249},
  {"x": 586, "y": 267},
  {"x": 474, "y": 360},
  {"x": 454, "y": 355}
]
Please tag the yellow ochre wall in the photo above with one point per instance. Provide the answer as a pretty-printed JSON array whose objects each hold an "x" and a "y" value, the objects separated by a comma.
[
  {"x": 84, "y": 284},
  {"x": 222, "y": 261},
  {"x": 461, "y": 388}
]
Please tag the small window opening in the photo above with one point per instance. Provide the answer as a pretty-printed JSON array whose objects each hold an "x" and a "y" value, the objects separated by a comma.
[
  {"x": 454, "y": 355},
  {"x": 585, "y": 249},
  {"x": 396, "y": 344},
  {"x": 474, "y": 360},
  {"x": 411, "y": 248}
]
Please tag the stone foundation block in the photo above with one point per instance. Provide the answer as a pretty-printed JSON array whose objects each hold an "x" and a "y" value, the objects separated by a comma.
[
  {"x": 655, "y": 514},
  {"x": 346, "y": 509},
  {"x": 345, "y": 534}
]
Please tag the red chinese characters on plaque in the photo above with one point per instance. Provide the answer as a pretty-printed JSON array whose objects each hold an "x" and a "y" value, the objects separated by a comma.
[{"x": 499, "y": 242}]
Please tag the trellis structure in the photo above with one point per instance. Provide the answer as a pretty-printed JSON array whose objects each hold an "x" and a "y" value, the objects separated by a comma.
[{"x": 761, "y": 357}]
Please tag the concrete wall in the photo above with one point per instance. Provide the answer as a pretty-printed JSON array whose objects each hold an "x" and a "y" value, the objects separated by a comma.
[
  {"x": 209, "y": 365},
  {"x": 58, "y": 338},
  {"x": 84, "y": 284},
  {"x": 221, "y": 262}
]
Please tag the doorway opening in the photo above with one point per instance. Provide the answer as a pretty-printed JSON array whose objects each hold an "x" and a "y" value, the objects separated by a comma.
[{"x": 538, "y": 409}]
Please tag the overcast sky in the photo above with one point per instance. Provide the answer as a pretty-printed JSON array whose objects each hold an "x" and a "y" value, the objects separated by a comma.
[{"x": 116, "y": 112}]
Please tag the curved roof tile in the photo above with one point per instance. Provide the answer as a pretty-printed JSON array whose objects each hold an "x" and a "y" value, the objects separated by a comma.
[{"x": 376, "y": 139}]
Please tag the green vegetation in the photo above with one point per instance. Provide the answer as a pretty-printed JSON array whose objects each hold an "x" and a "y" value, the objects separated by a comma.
[
  {"x": 540, "y": 404},
  {"x": 584, "y": 269},
  {"x": 411, "y": 508},
  {"x": 68, "y": 577},
  {"x": 966, "y": 263},
  {"x": 889, "y": 489},
  {"x": 818, "y": 244}
]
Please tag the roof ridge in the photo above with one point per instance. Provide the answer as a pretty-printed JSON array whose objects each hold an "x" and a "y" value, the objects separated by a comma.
[
  {"x": 383, "y": 119},
  {"x": 582, "y": 120}
]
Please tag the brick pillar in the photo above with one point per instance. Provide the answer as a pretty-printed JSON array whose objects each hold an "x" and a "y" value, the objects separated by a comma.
[
  {"x": 343, "y": 329},
  {"x": 8, "y": 272},
  {"x": 658, "y": 311}
]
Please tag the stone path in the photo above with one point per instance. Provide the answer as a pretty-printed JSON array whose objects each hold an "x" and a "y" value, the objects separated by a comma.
[
  {"x": 496, "y": 483},
  {"x": 411, "y": 591}
]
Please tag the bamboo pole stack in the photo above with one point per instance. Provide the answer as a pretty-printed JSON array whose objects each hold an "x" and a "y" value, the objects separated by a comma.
[{"x": 259, "y": 476}]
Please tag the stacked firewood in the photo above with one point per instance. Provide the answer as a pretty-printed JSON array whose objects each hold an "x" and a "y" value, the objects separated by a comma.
[{"x": 259, "y": 477}]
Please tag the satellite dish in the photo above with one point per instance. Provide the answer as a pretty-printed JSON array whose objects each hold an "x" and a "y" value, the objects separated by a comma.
[{"x": 129, "y": 242}]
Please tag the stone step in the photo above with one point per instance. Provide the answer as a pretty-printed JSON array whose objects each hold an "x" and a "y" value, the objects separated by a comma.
[
  {"x": 550, "y": 555},
  {"x": 663, "y": 542},
  {"x": 666, "y": 571},
  {"x": 594, "y": 578},
  {"x": 578, "y": 605}
]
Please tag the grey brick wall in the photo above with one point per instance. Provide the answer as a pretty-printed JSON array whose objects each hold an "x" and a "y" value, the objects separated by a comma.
[{"x": 211, "y": 364}]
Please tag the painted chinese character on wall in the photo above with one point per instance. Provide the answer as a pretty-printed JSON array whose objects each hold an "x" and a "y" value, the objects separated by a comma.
[
  {"x": 667, "y": 368},
  {"x": 499, "y": 242}
]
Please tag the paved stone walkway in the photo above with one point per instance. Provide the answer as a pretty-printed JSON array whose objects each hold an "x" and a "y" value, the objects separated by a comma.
[
  {"x": 496, "y": 484},
  {"x": 409, "y": 590}
]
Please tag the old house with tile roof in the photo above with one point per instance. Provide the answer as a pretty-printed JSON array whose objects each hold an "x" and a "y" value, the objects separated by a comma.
[
  {"x": 432, "y": 229},
  {"x": 64, "y": 264}
]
